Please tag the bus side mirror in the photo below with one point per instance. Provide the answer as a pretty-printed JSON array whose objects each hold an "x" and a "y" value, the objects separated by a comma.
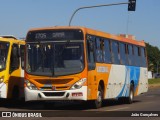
[{"x": 132, "y": 5}]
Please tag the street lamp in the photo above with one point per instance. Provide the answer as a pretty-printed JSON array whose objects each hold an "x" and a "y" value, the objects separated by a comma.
[{"x": 131, "y": 7}]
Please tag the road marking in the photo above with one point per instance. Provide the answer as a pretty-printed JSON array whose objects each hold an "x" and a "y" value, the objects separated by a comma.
[{"x": 117, "y": 109}]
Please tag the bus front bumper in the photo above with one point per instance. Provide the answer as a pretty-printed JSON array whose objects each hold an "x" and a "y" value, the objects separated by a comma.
[
  {"x": 77, "y": 94},
  {"x": 3, "y": 90}
]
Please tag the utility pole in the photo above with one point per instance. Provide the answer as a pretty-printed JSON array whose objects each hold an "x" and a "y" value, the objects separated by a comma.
[{"x": 157, "y": 68}]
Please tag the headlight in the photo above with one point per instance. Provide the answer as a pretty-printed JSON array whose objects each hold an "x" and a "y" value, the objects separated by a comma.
[
  {"x": 1, "y": 79},
  {"x": 30, "y": 85},
  {"x": 79, "y": 84}
]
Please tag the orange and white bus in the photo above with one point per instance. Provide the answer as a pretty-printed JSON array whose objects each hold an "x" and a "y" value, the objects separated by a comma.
[
  {"x": 11, "y": 67},
  {"x": 78, "y": 63}
]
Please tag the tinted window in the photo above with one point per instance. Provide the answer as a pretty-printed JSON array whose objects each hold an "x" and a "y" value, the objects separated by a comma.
[
  {"x": 4, "y": 47},
  {"x": 143, "y": 57},
  {"x": 115, "y": 53},
  {"x": 131, "y": 55},
  {"x": 22, "y": 55},
  {"x": 14, "y": 61},
  {"x": 99, "y": 50},
  {"x": 123, "y": 54},
  {"x": 90, "y": 52},
  {"x": 137, "y": 56},
  {"x": 107, "y": 51}
]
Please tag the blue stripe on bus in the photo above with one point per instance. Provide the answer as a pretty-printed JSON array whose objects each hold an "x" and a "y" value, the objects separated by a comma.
[{"x": 132, "y": 73}]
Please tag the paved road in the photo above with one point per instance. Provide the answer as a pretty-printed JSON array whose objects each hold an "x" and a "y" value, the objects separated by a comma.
[{"x": 145, "y": 104}]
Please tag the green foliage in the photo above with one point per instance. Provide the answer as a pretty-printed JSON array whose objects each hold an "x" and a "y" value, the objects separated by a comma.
[
  {"x": 154, "y": 81},
  {"x": 153, "y": 55}
]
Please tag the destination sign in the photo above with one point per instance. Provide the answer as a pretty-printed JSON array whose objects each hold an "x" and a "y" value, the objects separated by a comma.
[{"x": 49, "y": 35}]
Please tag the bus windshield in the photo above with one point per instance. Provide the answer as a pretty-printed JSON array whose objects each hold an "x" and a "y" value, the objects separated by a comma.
[
  {"x": 4, "y": 46},
  {"x": 54, "y": 58}
]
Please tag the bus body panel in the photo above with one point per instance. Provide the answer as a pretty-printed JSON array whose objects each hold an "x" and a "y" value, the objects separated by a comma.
[
  {"x": 33, "y": 95},
  {"x": 119, "y": 85},
  {"x": 116, "y": 81},
  {"x": 3, "y": 90},
  {"x": 14, "y": 78},
  {"x": 3, "y": 85},
  {"x": 143, "y": 82},
  {"x": 60, "y": 82}
]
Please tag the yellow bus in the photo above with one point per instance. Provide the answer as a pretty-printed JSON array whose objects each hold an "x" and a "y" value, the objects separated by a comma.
[
  {"x": 78, "y": 63},
  {"x": 11, "y": 67}
]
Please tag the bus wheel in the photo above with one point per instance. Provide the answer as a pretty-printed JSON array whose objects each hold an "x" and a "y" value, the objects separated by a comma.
[
  {"x": 130, "y": 98},
  {"x": 98, "y": 102}
]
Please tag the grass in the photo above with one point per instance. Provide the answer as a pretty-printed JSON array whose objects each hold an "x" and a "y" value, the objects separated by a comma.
[{"x": 154, "y": 81}]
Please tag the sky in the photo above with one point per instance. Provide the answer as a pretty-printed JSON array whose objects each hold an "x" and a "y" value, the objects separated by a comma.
[{"x": 18, "y": 16}]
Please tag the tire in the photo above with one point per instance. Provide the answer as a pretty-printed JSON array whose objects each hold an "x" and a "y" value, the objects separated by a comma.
[
  {"x": 99, "y": 101},
  {"x": 130, "y": 98}
]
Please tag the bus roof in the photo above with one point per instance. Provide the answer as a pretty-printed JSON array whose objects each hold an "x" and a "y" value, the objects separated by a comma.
[
  {"x": 96, "y": 33},
  {"x": 12, "y": 40},
  {"x": 8, "y": 36}
]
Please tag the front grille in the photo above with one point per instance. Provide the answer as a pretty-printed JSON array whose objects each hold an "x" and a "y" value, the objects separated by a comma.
[
  {"x": 56, "y": 88},
  {"x": 59, "y": 84},
  {"x": 46, "y": 88},
  {"x": 56, "y": 81},
  {"x": 63, "y": 87},
  {"x": 53, "y": 94}
]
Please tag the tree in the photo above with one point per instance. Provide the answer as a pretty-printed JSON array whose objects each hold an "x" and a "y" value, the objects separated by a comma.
[{"x": 153, "y": 55}]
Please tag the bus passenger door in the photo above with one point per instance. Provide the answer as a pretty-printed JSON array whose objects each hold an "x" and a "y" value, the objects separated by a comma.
[
  {"x": 92, "y": 87},
  {"x": 21, "y": 71},
  {"x": 14, "y": 71}
]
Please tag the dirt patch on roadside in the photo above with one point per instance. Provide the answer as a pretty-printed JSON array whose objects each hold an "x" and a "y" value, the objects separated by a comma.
[{"x": 154, "y": 86}]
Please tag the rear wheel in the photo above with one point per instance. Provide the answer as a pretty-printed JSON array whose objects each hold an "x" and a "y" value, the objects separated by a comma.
[{"x": 130, "y": 98}]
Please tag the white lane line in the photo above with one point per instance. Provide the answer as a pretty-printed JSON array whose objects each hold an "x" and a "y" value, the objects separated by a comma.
[{"x": 117, "y": 109}]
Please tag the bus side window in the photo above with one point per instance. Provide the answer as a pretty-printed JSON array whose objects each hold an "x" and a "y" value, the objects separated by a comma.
[
  {"x": 131, "y": 55},
  {"x": 115, "y": 54},
  {"x": 99, "y": 50},
  {"x": 22, "y": 55},
  {"x": 123, "y": 54},
  {"x": 137, "y": 56},
  {"x": 14, "y": 61},
  {"x": 143, "y": 57},
  {"x": 107, "y": 51},
  {"x": 90, "y": 52}
]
